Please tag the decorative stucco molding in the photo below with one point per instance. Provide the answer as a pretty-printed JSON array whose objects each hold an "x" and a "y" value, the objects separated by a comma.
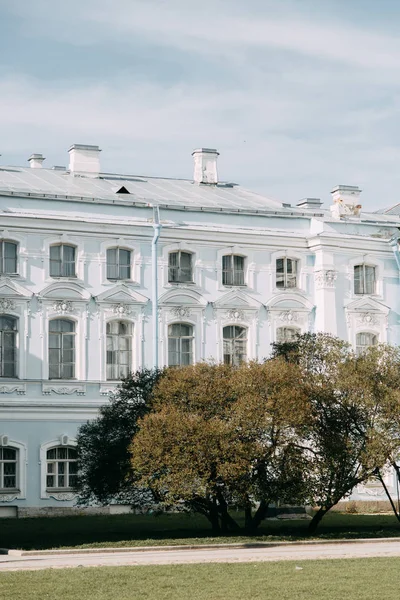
[
  {"x": 6, "y": 304},
  {"x": 367, "y": 319},
  {"x": 8, "y": 497},
  {"x": 325, "y": 278},
  {"x": 63, "y": 307},
  {"x": 289, "y": 316},
  {"x": 121, "y": 309},
  {"x": 63, "y": 390},
  {"x": 181, "y": 311},
  {"x": 235, "y": 314},
  {"x": 62, "y": 496},
  {"x": 107, "y": 390},
  {"x": 10, "y": 388}
]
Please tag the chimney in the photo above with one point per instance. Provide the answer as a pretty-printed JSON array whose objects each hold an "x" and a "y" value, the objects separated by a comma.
[
  {"x": 36, "y": 160},
  {"x": 346, "y": 201},
  {"x": 314, "y": 203},
  {"x": 205, "y": 165},
  {"x": 84, "y": 159}
]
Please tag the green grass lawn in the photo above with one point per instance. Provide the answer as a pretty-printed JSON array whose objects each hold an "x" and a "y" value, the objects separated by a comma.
[
  {"x": 144, "y": 530},
  {"x": 358, "y": 579}
]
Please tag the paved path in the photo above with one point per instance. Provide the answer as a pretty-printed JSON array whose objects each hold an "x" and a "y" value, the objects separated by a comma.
[{"x": 203, "y": 555}]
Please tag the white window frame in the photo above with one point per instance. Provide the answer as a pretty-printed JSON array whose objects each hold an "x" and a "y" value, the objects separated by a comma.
[
  {"x": 249, "y": 267},
  {"x": 285, "y": 274},
  {"x": 163, "y": 266},
  {"x": 22, "y": 253},
  {"x": 246, "y": 329},
  {"x": 20, "y": 492},
  {"x": 16, "y": 244},
  {"x": 295, "y": 329},
  {"x": 69, "y": 333},
  {"x": 364, "y": 279},
  {"x": 66, "y": 240},
  {"x": 360, "y": 349},
  {"x": 131, "y": 323},
  {"x": 57, "y": 494},
  {"x": 17, "y": 336},
  {"x": 191, "y": 337},
  {"x": 136, "y": 261},
  {"x": 232, "y": 271},
  {"x": 370, "y": 261},
  {"x": 118, "y": 248},
  {"x": 179, "y": 268}
]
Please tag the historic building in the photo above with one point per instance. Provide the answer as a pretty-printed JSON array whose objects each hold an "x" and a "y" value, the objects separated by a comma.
[{"x": 100, "y": 273}]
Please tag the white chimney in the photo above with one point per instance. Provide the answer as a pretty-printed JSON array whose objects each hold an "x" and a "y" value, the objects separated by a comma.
[
  {"x": 346, "y": 201},
  {"x": 35, "y": 161},
  {"x": 84, "y": 159},
  {"x": 205, "y": 165},
  {"x": 313, "y": 203}
]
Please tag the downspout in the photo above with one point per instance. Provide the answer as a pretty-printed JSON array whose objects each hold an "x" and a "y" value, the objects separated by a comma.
[{"x": 154, "y": 249}]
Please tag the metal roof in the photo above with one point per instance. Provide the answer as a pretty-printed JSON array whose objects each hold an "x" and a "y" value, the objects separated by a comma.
[{"x": 148, "y": 190}]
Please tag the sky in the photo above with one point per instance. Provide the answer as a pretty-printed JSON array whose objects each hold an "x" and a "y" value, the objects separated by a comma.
[{"x": 297, "y": 95}]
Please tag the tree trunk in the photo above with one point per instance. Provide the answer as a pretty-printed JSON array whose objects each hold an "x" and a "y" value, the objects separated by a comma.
[
  {"x": 258, "y": 517},
  {"x": 392, "y": 504},
  {"x": 248, "y": 517},
  {"x": 317, "y": 518}
]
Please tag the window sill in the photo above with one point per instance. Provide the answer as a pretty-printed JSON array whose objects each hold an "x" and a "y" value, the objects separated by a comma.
[{"x": 4, "y": 491}]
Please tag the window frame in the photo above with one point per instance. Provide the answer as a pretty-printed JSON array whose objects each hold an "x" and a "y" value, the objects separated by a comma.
[
  {"x": 233, "y": 270},
  {"x": 16, "y": 461},
  {"x": 179, "y": 268},
  {"x": 360, "y": 348},
  {"x": 62, "y": 262},
  {"x": 56, "y": 474},
  {"x": 60, "y": 494},
  {"x": 363, "y": 281},
  {"x": 3, "y": 258},
  {"x": 180, "y": 338},
  {"x": 232, "y": 341},
  {"x": 129, "y": 351},
  {"x": 285, "y": 328},
  {"x": 61, "y": 349},
  {"x": 118, "y": 264},
  {"x": 285, "y": 274},
  {"x": 15, "y": 347}
]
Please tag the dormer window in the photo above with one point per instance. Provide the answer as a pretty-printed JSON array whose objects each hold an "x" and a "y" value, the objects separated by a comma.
[
  {"x": 233, "y": 270},
  {"x": 286, "y": 273},
  {"x": 8, "y": 258},
  {"x": 180, "y": 267},
  {"x": 62, "y": 261},
  {"x": 118, "y": 264},
  {"x": 364, "y": 279}
]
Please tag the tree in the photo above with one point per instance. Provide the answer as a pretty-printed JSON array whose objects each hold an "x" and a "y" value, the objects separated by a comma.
[
  {"x": 353, "y": 401},
  {"x": 105, "y": 473},
  {"x": 221, "y": 437}
]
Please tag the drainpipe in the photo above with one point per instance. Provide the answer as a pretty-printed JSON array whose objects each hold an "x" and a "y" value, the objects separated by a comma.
[
  {"x": 157, "y": 231},
  {"x": 394, "y": 242}
]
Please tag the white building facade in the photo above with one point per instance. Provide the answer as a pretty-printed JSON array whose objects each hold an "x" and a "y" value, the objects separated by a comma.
[{"x": 236, "y": 271}]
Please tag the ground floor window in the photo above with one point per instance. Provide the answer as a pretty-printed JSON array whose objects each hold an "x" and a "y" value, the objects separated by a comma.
[
  {"x": 364, "y": 340},
  {"x": 8, "y": 468},
  {"x": 61, "y": 472},
  {"x": 286, "y": 334}
]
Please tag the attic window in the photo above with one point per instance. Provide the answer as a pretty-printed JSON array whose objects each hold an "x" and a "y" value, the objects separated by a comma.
[{"x": 122, "y": 190}]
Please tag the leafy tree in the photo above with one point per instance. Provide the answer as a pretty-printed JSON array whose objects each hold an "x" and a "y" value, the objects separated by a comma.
[
  {"x": 105, "y": 474},
  {"x": 221, "y": 437},
  {"x": 353, "y": 402}
]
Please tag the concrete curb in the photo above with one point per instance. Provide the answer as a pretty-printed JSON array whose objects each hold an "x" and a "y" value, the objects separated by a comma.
[{"x": 133, "y": 549}]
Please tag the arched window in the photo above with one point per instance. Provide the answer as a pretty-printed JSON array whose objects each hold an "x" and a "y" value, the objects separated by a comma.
[
  {"x": 61, "y": 468},
  {"x": 62, "y": 261},
  {"x": 286, "y": 273},
  {"x": 286, "y": 334},
  {"x": 364, "y": 340},
  {"x": 119, "y": 349},
  {"x": 364, "y": 279},
  {"x": 235, "y": 344},
  {"x": 180, "y": 344},
  {"x": 118, "y": 264},
  {"x": 61, "y": 349},
  {"x": 8, "y": 468},
  {"x": 8, "y": 258},
  {"x": 180, "y": 267},
  {"x": 233, "y": 270},
  {"x": 8, "y": 346}
]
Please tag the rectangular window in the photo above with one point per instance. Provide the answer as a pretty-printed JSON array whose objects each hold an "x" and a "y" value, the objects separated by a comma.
[
  {"x": 180, "y": 267},
  {"x": 364, "y": 279},
  {"x": 62, "y": 261},
  {"x": 8, "y": 258},
  {"x": 118, "y": 263},
  {"x": 233, "y": 270},
  {"x": 286, "y": 273},
  {"x": 8, "y": 468}
]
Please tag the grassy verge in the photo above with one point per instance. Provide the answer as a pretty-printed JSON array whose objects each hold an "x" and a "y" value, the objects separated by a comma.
[
  {"x": 320, "y": 580},
  {"x": 145, "y": 530}
]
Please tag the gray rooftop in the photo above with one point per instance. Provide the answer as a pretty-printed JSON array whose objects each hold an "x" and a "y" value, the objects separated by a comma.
[{"x": 148, "y": 190}]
